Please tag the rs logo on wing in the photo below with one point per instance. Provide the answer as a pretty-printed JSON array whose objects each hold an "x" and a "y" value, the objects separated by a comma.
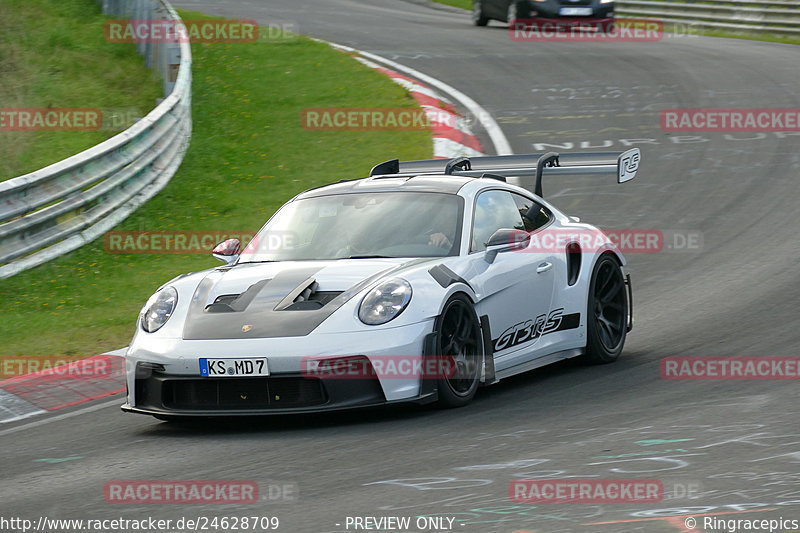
[{"x": 628, "y": 166}]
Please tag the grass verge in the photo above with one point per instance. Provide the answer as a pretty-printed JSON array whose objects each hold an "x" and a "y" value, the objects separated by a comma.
[
  {"x": 464, "y": 4},
  {"x": 53, "y": 55},
  {"x": 768, "y": 37},
  {"x": 249, "y": 154}
]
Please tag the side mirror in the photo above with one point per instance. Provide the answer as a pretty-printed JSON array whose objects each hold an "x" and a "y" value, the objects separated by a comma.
[
  {"x": 227, "y": 251},
  {"x": 505, "y": 240}
]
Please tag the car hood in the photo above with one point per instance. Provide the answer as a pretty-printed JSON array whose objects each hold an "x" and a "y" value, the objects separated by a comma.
[{"x": 282, "y": 299}]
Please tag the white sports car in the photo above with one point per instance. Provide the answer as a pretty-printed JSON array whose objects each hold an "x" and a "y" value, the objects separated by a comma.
[{"x": 419, "y": 283}]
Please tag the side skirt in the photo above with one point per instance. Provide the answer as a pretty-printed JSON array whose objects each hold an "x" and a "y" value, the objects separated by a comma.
[{"x": 539, "y": 362}]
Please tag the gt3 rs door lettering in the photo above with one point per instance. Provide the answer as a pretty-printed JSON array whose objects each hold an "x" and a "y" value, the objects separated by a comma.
[
  {"x": 533, "y": 329},
  {"x": 528, "y": 330}
]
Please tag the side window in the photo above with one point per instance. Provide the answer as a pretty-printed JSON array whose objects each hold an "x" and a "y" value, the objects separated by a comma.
[
  {"x": 494, "y": 210},
  {"x": 534, "y": 216}
]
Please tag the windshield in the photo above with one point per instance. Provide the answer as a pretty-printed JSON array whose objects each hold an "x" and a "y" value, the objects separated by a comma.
[{"x": 361, "y": 225}]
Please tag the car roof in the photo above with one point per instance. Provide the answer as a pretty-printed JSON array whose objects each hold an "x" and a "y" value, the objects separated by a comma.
[{"x": 392, "y": 183}]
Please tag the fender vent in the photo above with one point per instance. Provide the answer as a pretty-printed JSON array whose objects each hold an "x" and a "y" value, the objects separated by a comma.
[{"x": 573, "y": 262}]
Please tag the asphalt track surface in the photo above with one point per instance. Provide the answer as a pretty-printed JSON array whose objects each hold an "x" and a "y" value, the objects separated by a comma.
[{"x": 718, "y": 447}]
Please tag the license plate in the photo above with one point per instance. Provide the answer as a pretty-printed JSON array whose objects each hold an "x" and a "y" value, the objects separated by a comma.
[
  {"x": 231, "y": 368},
  {"x": 575, "y": 11}
]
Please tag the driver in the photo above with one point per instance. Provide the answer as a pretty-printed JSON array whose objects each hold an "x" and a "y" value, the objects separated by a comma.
[
  {"x": 358, "y": 241},
  {"x": 445, "y": 222}
]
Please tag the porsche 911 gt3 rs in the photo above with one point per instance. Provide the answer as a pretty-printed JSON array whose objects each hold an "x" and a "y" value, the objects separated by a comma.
[{"x": 419, "y": 283}]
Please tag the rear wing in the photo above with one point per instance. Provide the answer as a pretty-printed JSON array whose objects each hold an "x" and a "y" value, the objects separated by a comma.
[{"x": 528, "y": 169}]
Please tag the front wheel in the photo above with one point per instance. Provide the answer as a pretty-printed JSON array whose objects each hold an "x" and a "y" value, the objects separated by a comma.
[
  {"x": 607, "y": 312},
  {"x": 517, "y": 10},
  {"x": 458, "y": 341},
  {"x": 479, "y": 18}
]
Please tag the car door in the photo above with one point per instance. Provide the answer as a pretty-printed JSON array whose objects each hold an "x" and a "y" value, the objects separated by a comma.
[{"x": 515, "y": 289}]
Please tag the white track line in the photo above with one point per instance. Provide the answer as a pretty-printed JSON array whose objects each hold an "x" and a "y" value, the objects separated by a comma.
[
  {"x": 498, "y": 138},
  {"x": 13, "y": 408}
]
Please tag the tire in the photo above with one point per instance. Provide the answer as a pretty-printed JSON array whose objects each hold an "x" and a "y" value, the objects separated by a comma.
[
  {"x": 459, "y": 336},
  {"x": 607, "y": 312},
  {"x": 517, "y": 10},
  {"x": 479, "y": 18}
]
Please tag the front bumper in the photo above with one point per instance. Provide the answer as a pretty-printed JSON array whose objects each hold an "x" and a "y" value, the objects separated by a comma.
[
  {"x": 163, "y": 375},
  {"x": 553, "y": 9},
  {"x": 165, "y": 395}
]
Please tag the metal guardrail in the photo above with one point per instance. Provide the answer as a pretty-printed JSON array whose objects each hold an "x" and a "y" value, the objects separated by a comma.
[
  {"x": 61, "y": 207},
  {"x": 748, "y": 16}
]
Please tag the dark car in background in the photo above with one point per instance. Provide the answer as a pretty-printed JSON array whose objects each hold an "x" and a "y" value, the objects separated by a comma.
[{"x": 507, "y": 10}]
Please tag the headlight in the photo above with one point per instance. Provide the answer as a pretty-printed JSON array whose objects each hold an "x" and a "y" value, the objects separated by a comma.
[
  {"x": 385, "y": 302},
  {"x": 158, "y": 309},
  {"x": 606, "y": 1}
]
